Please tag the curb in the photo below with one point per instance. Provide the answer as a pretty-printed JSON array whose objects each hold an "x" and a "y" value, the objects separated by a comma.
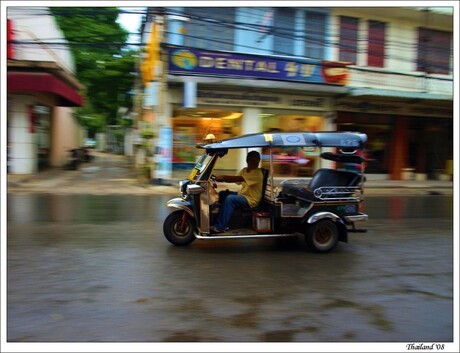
[{"x": 60, "y": 181}]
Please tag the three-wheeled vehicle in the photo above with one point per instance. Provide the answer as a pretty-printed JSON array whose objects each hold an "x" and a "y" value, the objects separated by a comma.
[{"x": 323, "y": 208}]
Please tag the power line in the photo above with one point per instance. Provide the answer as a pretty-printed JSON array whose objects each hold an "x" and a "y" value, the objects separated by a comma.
[
  {"x": 230, "y": 24},
  {"x": 64, "y": 45},
  {"x": 328, "y": 40},
  {"x": 280, "y": 32},
  {"x": 309, "y": 39}
]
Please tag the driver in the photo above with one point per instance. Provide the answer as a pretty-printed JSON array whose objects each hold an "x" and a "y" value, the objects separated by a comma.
[{"x": 251, "y": 179}]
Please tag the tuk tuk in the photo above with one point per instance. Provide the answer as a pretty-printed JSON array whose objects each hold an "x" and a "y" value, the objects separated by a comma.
[{"x": 323, "y": 208}]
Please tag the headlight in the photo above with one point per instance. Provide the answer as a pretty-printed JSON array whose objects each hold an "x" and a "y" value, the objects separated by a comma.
[
  {"x": 183, "y": 186},
  {"x": 194, "y": 189}
]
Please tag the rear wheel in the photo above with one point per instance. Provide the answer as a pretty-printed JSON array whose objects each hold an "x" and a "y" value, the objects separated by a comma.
[
  {"x": 322, "y": 236},
  {"x": 178, "y": 228}
]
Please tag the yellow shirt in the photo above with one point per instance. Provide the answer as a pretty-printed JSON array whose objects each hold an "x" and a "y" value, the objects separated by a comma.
[{"x": 251, "y": 187}]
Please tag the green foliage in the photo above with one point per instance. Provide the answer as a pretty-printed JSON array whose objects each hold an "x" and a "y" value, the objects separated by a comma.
[
  {"x": 103, "y": 65},
  {"x": 147, "y": 134},
  {"x": 88, "y": 117}
]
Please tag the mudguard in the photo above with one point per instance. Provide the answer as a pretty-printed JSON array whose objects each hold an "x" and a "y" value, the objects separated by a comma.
[
  {"x": 181, "y": 204},
  {"x": 343, "y": 234},
  {"x": 322, "y": 215}
]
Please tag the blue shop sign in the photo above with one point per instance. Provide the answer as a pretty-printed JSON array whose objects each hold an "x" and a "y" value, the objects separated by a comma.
[{"x": 190, "y": 61}]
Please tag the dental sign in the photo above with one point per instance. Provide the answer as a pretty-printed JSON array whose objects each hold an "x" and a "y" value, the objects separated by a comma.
[{"x": 189, "y": 61}]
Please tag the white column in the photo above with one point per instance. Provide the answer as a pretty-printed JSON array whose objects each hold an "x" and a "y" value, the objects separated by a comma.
[
  {"x": 329, "y": 125},
  {"x": 190, "y": 88},
  {"x": 250, "y": 123},
  {"x": 128, "y": 143},
  {"x": 23, "y": 147},
  {"x": 164, "y": 141},
  {"x": 329, "y": 121}
]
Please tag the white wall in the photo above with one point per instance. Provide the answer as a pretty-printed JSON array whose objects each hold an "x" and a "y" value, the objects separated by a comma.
[
  {"x": 37, "y": 24},
  {"x": 22, "y": 144}
]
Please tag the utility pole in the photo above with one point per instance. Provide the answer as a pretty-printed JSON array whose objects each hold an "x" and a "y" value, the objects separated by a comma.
[{"x": 154, "y": 71}]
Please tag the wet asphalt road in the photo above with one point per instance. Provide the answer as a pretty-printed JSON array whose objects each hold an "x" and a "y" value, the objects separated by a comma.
[{"x": 97, "y": 268}]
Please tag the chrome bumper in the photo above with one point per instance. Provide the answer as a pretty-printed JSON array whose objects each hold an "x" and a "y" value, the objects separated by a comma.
[{"x": 356, "y": 218}]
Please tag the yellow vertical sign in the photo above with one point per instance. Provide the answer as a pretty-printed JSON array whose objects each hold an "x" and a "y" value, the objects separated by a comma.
[{"x": 152, "y": 54}]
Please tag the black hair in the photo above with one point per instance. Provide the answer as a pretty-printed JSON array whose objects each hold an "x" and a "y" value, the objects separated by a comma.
[{"x": 252, "y": 154}]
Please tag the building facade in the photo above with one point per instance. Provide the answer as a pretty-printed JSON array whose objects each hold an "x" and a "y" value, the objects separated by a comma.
[
  {"x": 401, "y": 91},
  {"x": 231, "y": 71},
  {"x": 41, "y": 92}
]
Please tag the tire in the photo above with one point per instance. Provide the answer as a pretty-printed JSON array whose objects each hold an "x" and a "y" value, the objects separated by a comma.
[
  {"x": 178, "y": 233},
  {"x": 322, "y": 236}
]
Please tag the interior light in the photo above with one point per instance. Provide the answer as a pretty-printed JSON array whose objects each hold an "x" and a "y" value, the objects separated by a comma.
[{"x": 235, "y": 115}]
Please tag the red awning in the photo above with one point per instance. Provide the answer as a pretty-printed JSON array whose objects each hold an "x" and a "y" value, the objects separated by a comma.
[{"x": 45, "y": 82}]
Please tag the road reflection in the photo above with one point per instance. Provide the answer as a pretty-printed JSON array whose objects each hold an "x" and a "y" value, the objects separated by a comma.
[
  {"x": 97, "y": 268},
  {"x": 114, "y": 208}
]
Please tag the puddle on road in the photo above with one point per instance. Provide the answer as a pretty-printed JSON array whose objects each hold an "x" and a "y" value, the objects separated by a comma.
[
  {"x": 32, "y": 208},
  {"x": 396, "y": 207},
  {"x": 100, "y": 247}
]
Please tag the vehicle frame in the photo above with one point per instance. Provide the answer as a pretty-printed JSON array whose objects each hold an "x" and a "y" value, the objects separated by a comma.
[{"x": 323, "y": 209}]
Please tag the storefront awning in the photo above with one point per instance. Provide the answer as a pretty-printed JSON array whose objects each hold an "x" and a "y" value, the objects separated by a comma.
[
  {"x": 45, "y": 82},
  {"x": 326, "y": 89},
  {"x": 360, "y": 92}
]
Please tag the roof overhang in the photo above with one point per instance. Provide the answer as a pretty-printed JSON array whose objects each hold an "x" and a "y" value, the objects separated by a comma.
[
  {"x": 326, "y": 89},
  {"x": 361, "y": 92},
  {"x": 47, "y": 83}
]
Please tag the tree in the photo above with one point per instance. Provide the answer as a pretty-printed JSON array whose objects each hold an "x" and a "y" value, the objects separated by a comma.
[{"x": 104, "y": 66}]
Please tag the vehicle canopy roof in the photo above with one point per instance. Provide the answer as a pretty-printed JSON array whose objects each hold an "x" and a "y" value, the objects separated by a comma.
[{"x": 348, "y": 140}]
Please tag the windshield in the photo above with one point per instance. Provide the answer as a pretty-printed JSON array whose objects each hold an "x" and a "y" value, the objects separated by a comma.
[{"x": 200, "y": 166}]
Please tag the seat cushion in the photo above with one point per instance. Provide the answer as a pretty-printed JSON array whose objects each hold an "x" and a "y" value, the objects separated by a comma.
[
  {"x": 332, "y": 177},
  {"x": 322, "y": 177}
]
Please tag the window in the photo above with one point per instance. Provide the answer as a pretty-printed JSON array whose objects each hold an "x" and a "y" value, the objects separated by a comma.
[
  {"x": 210, "y": 28},
  {"x": 284, "y": 31},
  {"x": 376, "y": 44},
  {"x": 315, "y": 29},
  {"x": 348, "y": 41},
  {"x": 434, "y": 51}
]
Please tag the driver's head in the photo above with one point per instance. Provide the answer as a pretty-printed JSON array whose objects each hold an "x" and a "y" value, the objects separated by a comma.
[{"x": 253, "y": 158}]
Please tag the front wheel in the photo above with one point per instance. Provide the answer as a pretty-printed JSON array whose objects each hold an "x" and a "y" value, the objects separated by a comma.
[
  {"x": 178, "y": 228},
  {"x": 322, "y": 236}
]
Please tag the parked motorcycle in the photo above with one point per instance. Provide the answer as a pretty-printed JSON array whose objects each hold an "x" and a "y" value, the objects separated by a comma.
[{"x": 73, "y": 161}]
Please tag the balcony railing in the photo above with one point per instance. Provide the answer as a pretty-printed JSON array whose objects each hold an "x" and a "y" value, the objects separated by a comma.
[{"x": 413, "y": 82}]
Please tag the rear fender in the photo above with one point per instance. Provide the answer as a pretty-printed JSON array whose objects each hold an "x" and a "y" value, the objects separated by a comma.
[
  {"x": 343, "y": 233},
  {"x": 323, "y": 215},
  {"x": 181, "y": 204}
]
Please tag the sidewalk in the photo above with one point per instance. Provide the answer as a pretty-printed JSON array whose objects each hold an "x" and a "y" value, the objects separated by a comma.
[
  {"x": 114, "y": 174},
  {"x": 373, "y": 187}
]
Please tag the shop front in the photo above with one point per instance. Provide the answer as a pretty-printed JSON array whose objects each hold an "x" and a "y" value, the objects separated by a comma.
[
  {"x": 227, "y": 113},
  {"x": 408, "y": 139},
  {"x": 236, "y": 93},
  {"x": 40, "y": 122}
]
